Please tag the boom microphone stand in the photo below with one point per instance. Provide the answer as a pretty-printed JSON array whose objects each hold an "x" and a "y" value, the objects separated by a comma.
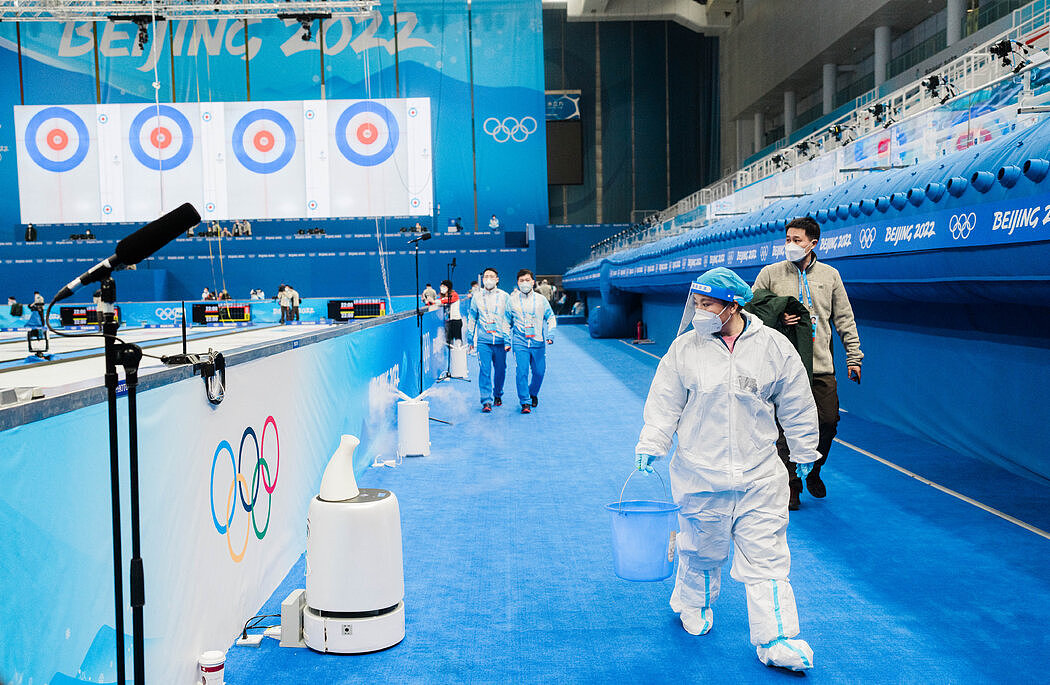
[
  {"x": 128, "y": 356},
  {"x": 419, "y": 307},
  {"x": 451, "y": 268},
  {"x": 419, "y": 318},
  {"x": 129, "y": 251}
]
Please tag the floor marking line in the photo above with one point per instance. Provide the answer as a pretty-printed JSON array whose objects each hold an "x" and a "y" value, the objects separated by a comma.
[
  {"x": 948, "y": 491},
  {"x": 635, "y": 347}
]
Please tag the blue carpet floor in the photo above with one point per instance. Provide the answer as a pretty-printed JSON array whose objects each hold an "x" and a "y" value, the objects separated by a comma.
[{"x": 508, "y": 566}]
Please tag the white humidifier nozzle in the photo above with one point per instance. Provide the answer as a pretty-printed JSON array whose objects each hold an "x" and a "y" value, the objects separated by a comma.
[{"x": 338, "y": 482}]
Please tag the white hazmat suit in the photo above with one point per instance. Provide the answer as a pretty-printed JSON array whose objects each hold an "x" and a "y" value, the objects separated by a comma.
[{"x": 727, "y": 477}]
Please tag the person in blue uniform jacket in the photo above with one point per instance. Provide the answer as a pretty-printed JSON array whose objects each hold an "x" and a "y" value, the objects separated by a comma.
[
  {"x": 532, "y": 324},
  {"x": 488, "y": 330}
]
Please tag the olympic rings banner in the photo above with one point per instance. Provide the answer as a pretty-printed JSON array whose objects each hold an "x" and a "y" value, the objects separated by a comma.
[
  {"x": 224, "y": 497},
  {"x": 232, "y": 160}
]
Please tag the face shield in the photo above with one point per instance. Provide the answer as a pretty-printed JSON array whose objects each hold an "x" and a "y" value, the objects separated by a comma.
[{"x": 719, "y": 284}]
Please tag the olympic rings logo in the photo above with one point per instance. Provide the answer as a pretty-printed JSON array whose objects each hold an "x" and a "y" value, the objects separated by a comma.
[
  {"x": 961, "y": 225},
  {"x": 260, "y": 476},
  {"x": 168, "y": 313},
  {"x": 867, "y": 237},
  {"x": 510, "y": 129}
]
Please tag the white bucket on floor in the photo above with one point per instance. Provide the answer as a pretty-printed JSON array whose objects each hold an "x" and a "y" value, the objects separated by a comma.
[
  {"x": 413, "y": 428},
  {"x": 211, "y": 668},
  {"x": 458, "y": 360}
]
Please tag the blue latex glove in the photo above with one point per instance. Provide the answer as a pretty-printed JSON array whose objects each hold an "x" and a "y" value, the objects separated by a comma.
[
  {"x": 803, "y": 470},
  {"x": 642, "y": 462}
]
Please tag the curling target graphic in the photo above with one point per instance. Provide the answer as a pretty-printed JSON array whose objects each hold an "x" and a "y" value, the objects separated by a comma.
[
  {"x": 263, "y": 141},
  {"x": 160, "y": 137},
  {"x": 57, "y": 139},
  {"x": 367, "y": 133}
]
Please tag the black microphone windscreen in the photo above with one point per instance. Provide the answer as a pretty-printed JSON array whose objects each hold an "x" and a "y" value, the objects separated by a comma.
[
  {"x": 156, "y": 234},
  {"x": 425, "y": 236}
]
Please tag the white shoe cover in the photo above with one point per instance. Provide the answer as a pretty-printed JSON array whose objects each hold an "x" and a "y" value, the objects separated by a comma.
[
  {"x": 785, "y": 652},
  {"x": 697, "y": 621}
]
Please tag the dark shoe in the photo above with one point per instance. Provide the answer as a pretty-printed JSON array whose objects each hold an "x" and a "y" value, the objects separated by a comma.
[
  {"x": 793, "y": 503},
  {"x": 499, "y": 401},
  {"x": 816, "y": 486},
  {"x": 535, "y": 400},
  {"x": 526, "y": 409},
  {"x": 486, "y": 408}
]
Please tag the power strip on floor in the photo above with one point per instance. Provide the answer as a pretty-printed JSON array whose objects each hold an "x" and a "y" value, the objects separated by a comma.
[{"x": 250, "y": 641}]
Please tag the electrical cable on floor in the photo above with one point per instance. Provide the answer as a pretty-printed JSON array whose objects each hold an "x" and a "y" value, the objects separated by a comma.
[{"x": 248, "y": 625}]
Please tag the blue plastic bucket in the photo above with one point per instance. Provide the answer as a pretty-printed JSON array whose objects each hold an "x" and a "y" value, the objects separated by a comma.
[{"x": 643, "y": 538}]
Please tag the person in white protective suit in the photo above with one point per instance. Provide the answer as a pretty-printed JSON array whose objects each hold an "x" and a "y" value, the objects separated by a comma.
[{"x": 717, "y": 388}]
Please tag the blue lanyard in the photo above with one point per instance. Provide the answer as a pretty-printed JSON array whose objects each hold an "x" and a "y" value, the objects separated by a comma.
[
  {"x": 535, "y": 306},
  {"x": 807, "y": 299}
]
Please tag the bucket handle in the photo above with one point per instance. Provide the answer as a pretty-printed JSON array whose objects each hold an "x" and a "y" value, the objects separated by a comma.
[{"x": 619, "y": 507}]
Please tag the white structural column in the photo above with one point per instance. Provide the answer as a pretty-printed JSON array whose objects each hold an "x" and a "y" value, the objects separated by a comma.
[
  {"x": 955, "y": 11},
  {"x": 882, "y": 53},
  {"x": 830, "y": 71},
  {"x": 760, "y": 130},
  {"x": 741, "y": 143},
  {"x": 789, "y": 112}
]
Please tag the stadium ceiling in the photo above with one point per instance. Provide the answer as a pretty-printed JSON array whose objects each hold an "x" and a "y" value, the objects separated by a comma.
[
  {"x": 102, "y": 10},
  {"x": 702, "y": 16}
]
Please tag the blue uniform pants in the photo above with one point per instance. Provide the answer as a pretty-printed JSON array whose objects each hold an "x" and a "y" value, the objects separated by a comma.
[
  {"x": 526, "y": 358},
  {"x": 491, "y": 358}
]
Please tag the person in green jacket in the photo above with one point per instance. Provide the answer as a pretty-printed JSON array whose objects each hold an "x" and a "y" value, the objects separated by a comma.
[{"x": 819, "y": 287}]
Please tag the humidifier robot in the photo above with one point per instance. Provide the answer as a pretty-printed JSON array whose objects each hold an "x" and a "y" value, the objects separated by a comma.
[{"x": 354, "y": 575}]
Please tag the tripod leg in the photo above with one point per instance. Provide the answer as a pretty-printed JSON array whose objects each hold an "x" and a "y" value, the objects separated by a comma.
[
  {"x": 114, "y": 484},
  {"x": 137, "y": 584}
]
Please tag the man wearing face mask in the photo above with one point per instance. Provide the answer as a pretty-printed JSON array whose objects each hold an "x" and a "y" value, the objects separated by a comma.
[
  {"x": 489, "y": 331},
  {"x": 819, "y": 287},
  {"x": 532, "y": 323},
  {"x": 717, "y": 389}
]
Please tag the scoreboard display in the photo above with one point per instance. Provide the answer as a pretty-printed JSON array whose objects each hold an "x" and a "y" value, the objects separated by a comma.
[
  {"x": 342, "y": 311},
  {"x": 85, "y": 315},
  {"x": 218, "y": 312}
]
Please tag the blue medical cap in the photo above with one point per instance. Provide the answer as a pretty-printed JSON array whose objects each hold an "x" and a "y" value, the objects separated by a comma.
[{"x": 722, "y": 284}]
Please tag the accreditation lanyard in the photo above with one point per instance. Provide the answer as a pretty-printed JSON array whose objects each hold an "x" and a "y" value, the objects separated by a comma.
[
  {"x": 484, "y": 319},
  {"x": 529, "y": 330},
  {"x": 807, "y": 299}
]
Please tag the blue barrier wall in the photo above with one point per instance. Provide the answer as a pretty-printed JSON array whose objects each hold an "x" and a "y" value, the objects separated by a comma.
[
  {"x": 326, "y": 265},
  {"x": 946, "y": 265},
  {"x": 200, "y": 583}
]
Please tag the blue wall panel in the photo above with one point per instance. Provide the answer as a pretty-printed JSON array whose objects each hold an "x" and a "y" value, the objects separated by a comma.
[{"x": 560, "y": 246}]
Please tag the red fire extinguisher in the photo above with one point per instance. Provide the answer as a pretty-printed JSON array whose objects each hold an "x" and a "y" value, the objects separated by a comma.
[{"x": 640, "y": 331}]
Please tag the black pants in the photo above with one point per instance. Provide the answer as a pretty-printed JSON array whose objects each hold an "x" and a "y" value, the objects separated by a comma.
[
  {"x": 826, "y": 395},
  {"x": 454, "y": 329}
]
